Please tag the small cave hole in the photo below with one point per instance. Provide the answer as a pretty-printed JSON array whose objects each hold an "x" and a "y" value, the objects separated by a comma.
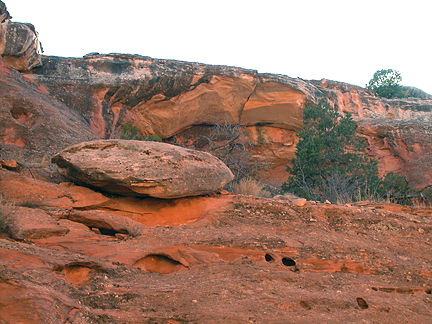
[
  {"x": 362, "y": 303},
  {"x": 159, "y": 263},
  {"x": 109, "y": 232},
  {"x": 21, "y": 114},
  {"x": 288, "y": 262},
  {"x": 268, "y": 258}
]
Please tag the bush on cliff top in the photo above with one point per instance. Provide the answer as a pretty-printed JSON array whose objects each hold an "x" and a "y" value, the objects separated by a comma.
[{"x": 386, "y": 83}]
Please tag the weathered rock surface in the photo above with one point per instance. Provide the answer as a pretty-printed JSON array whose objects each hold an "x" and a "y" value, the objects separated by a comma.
[
  {"x": 28, "y": 191},
  {"x": 19, "y": 43},
  {"x": 33, "y": 223},
  {"x": 34, "y": 125},
  {"x": 142, "y": 168},
  {"x": 240, "y": 260},
  {"x": 171, "y": 98},
  {"x": 398, "y": 131}
]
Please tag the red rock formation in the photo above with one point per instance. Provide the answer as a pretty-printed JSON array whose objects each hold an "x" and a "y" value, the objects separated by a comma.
[
  {"x": 397, "y": 130},
  {"x": 171, "y": 97}
]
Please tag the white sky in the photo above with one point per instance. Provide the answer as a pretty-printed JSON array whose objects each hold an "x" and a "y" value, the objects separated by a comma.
[{"x": 342, "y": 40}]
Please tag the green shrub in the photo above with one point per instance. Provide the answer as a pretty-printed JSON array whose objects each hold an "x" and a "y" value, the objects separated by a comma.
[
  {"x": 153, "y": 138},
  {"x": 131, "y": 132},
  {"x": 396, "y": 188},
  {"x": 330, "y": 163}
]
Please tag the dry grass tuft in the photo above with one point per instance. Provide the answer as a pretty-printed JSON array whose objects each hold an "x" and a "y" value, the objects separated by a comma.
[
  {"x": 7, "y": 221},
  {"x": 250, "y": 187},
  {"x": 135, "y": 230}
]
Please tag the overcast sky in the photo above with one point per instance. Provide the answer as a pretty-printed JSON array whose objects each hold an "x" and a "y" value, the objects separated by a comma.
[{"x": 312, "y": 39}]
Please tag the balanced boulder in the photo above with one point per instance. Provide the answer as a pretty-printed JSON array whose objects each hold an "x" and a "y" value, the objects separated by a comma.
[{"x": 143, "y": 168}]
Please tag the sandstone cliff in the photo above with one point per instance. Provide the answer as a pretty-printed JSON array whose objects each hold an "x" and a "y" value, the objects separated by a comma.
[
  {"x": 172, "y": 98},
  {"x": 180, "y": 100}
]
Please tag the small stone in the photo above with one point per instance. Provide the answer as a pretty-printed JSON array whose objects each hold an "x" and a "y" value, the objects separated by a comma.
[
  {"x": 10, "y": 164},
  {"x": 96, "y": 230},
  {"x": 121, "y": 236},
  {"x": 421, "y": 230},
  {"x": 305, "y": 305},
  {"x": 66, "y": 184},
  {"x": 328, "y": 202},
  {"x": 224, "y": 192},
  {"x": 300, "y": 202},
  {"x": 348, "y": 205}
]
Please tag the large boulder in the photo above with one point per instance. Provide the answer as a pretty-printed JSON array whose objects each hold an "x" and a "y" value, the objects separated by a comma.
[{"x": 139, "y": 168}]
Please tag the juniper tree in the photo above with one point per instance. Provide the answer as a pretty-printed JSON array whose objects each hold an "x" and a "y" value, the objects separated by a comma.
[{"x": 330, "y": 162}]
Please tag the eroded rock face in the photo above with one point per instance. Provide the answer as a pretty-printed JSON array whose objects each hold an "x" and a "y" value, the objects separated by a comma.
[
  {"x": 160, "y": 96},
  {"x": 397, "y": 130},
  {"x": 140, "y": 168},
  {"x": 19, "y": 43},
  {"x": 34, "y": 125}
]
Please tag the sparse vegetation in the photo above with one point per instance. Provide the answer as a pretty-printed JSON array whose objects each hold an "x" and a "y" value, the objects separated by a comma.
[
  {"x": 231, "y": 143},
  {"x": 135, "y": 229},
  {"x": 6, "y": 216},
  {"x": 131, "y": 132},
  {"x": 386, "y": 83},
  {"x": 396, "y": 188}
]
